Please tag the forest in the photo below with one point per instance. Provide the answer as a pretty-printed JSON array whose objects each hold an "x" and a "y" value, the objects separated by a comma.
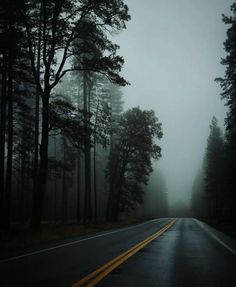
[
  {"x": 214, "y": 188},
  {"x": 117, "y": 143},
  {"x": 69, "y": 152}
]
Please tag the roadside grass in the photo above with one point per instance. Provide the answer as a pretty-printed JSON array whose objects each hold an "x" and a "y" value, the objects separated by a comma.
[{"x": 22, "y": 237}]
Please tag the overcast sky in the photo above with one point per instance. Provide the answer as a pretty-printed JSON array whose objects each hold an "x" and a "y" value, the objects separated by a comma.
[{"x": 172, "y": 51}]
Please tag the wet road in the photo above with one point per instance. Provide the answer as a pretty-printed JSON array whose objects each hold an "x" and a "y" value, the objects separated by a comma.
[
  {"x": 66, "y": 262},
  {"x": 190, "y": 253}
]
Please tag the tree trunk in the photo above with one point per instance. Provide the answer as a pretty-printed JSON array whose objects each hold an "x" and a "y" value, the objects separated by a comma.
[
  {"x": 85, "y": 151},
  {"x": 87, "y": 163},
  {"x": 55, "y": 184},
  {"x": 78, "y": 186},
  {"x": 78, "y": 214},
  {"x": 94, "y": 164},
  {"x": 43, "y": 166},
  {"x": 87, "y": 156},
  {"x": 3, "y": 128},
  {"x": 37, "y": 98},
  {"x": 95, "y": 181},
  {"x": 64, "y": 187},
  {"x": 22, "y": 190},
  {"x": 9, "y": 142}
]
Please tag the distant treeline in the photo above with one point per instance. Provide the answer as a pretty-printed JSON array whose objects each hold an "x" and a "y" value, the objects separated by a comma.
[{"x": 68, "y": 152}]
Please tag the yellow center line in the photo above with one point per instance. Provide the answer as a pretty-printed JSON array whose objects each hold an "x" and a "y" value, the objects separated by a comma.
[{"x": 96, "y": 276}]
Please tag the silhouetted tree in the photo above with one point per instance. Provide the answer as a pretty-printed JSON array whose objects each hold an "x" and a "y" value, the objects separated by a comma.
[
  {"x": 214, "y": 163},
  {"x": 228, "y": 85},
  {"x": 11, "y": 48},
  {"x": 130, "y": 162},
  {"x": 23, "y": 150},
  {"x": 62, "y": 22},
  {"x": 101, "y": 119}
]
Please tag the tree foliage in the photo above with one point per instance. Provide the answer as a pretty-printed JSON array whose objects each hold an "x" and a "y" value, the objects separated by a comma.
[
  {"x": 228, "y": 85},
  {"x": 130, "y": 162}
]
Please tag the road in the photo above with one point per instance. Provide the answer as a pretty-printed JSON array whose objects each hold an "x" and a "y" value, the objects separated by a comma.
[{"x": 188, "y": 253}]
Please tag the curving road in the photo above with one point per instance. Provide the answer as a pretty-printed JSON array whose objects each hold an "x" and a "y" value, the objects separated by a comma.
[{"x": 189, "y": 253}]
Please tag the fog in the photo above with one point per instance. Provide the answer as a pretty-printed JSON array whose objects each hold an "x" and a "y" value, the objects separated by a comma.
[
  {"x": 172, "y": 52},
  {"x": 77, "y": 142}
]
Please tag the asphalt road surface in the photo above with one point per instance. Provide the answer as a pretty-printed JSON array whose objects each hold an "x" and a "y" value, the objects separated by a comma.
[{"x": 188, "y": 253}]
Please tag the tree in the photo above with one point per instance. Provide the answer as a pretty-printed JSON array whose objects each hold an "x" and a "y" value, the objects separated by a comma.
[
  {"x": 130, "y": 162},
  {"x": 62, "y": 23},
  {"x": 98, "y": 129},
  {"x": 87, "y": 54},
  {"x": 228, "y": 85},
  {"x": 11, "y": 52},
  {"x": 101, "y": 119},
  {"x": 23, "y": 150},
  {"x": 214, "y": 164}
]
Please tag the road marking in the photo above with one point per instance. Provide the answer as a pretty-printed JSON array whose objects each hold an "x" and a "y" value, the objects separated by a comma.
[
  {"x": 74, "y": 242},
  {"x": 96, "y": 276},
  {"x": 215, "y": 237}
]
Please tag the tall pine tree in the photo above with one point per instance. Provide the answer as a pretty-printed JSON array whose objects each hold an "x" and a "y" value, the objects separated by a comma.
[
  {"x": 228, "y": 85},
  {"x": 213, "y": 172}
]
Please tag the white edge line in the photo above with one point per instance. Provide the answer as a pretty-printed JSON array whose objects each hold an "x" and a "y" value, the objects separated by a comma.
[
  {"x": 72, "y": 243},
  {"x": 215, "y": 237}
]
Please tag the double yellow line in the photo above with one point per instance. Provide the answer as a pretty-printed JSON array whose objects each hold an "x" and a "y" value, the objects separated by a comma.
[{"x": 96, "y": 276}]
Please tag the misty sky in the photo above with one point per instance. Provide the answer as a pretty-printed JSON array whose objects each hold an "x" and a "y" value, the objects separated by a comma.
[{"x": 172, "y": 51}]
